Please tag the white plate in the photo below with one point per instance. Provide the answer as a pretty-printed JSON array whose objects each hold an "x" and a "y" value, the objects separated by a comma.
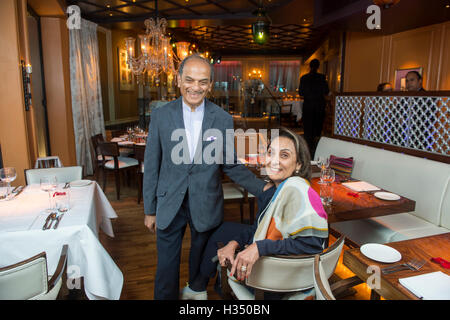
[
  {"x": 386, "y": 196},
  {"x": 380, "y": 253},
  {"x": 80, "y": 183}
]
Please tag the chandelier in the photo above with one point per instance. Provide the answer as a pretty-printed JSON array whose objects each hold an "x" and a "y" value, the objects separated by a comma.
[{"x": 156, "y": 52}]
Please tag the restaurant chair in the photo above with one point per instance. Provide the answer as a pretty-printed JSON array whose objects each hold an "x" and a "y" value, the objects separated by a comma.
[
  {"x": 63, "y": 175},
  {"x": 232, "y": 193},
  {"x": 139, "y": 153},
  {"x": 48, "y": 162},
  {"x": 118, "y": 164},
  {"x": 98, "y": 160},
  {"x": 29, "y": 279},
  {"x": 322, "y": 287},
  {"x": 291, "y": 275}
]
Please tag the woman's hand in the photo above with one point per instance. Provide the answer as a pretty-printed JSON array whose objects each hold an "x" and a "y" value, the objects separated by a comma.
[
  {"x": 227, "y": 252},
  {"x": 246, "y": 259}
]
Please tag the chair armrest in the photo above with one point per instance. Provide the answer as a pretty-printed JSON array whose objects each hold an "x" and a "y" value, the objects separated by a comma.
[{"x": 59, "y": 269}]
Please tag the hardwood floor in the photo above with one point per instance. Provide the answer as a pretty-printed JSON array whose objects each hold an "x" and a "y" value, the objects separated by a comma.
[{"x": 134, "y": 248}]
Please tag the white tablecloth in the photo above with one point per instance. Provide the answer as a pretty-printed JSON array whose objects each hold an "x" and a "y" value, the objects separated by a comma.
[{"x": 21, "y": 237}]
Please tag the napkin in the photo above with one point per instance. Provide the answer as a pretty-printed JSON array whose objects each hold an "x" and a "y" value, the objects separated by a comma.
[
  {"x": 360, "y": 186},
  {"x": 428, "y": 286},
  {"x": 442, "y": 262}
]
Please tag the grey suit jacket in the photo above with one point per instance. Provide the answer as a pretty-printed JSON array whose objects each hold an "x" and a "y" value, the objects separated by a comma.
[{"x": 166, "y": 181}]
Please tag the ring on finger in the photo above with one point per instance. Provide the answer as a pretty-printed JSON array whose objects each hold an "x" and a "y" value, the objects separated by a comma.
[{"x": 243, "y": 268}]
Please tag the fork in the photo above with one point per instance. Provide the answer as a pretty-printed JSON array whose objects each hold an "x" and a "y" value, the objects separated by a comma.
[{"x": 413, "y": 265}]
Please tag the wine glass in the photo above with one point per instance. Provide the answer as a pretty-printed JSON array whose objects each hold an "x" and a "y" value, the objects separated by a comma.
[
  {"x": 323, "y": 163},
  {"x": 326, "y": 190},
  {"x": 8, "y": 175},
  {"x": 49, "y": 184}
]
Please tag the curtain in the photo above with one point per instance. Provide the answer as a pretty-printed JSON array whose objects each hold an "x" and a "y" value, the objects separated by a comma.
[
  {"x": 227, "y": 75},
  {"x": 284, "y": 75},
  {"x": 87, "y": 106}
]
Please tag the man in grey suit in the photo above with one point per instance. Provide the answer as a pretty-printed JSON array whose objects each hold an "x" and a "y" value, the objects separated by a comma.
[{"x": 182, "y": 187}]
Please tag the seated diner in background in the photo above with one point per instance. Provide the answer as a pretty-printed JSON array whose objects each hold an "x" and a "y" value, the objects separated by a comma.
[{"x": 290, "y": 220}]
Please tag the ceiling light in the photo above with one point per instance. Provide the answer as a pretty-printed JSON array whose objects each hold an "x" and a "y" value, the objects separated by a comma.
[{"x": 261, "y": 28}]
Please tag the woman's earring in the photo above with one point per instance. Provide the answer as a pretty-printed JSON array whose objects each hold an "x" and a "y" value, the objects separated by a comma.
[{"x": 296, "y": 171}]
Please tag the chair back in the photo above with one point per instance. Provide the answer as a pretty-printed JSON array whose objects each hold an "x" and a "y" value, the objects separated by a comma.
[
  {"x": 48, "y": 162},
  {"x": 95, "y": 141},
  {"x": 292, "y": 273},
  {"x": 321, "y": 284},
  {"x": 63, "y": 175},
  {"x": 25, "y": 280},
  {"x": 108, "y": 149},
  {"x": 139, "y": 153}
]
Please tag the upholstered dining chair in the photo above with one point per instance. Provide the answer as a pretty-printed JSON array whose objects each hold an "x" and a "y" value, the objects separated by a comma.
[
  {"x": 139, "y": 153},
  {"x": 117, "y": 165},
  {"x": 288, "y": 274},
  {"x": 48, "y": 162},
  {"x": 97, "y": 158},
  {"x": 63, "y": 175},
  {"x": 322, "y": 287},
  {"x": 29, "y": 279}
]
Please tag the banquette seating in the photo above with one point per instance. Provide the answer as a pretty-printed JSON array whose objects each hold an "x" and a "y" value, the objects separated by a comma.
[{"x": 425, "y": 181}]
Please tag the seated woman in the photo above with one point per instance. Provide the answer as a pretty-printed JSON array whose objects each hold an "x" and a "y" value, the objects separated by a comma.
[{"x": 290, "y": 219}]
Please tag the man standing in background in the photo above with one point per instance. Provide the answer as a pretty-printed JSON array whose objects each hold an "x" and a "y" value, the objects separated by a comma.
[{"x": 313, "y": 88}]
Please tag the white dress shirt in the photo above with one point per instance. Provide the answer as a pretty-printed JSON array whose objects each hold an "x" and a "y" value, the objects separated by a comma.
[{"x": 193, "y": 125}]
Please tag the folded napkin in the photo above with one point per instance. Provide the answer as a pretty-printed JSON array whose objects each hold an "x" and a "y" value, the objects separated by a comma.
[
  {"x": 428, "y": 286},
  {"x": 442, "y": 262},
  {"x": 360, "y": 186}
]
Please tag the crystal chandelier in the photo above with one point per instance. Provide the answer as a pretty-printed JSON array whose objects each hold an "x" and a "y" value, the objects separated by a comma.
[{"x": 156, "y": 52}]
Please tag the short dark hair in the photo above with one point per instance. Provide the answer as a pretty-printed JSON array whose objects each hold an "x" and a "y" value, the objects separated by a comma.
[
  {"x": 419, "y": 77},
  {"x": 314, "y": 64},
  {"x": 198, "y": 57},
  {"x": 301, "y": 151}
]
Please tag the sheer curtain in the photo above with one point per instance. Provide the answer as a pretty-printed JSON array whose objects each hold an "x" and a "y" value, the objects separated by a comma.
[
  {"x": 86, "y": 91},
  {"x": 284, "y": 75},
  {"x": 229, "y": 72}
]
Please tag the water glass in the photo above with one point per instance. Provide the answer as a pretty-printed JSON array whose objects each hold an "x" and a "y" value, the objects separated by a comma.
[
  {"x": 49, "y": 184},
  {"x": 62, "y": 199},
  {"x": 326, "y": 189},
  {"x": 8, "y": 175}
]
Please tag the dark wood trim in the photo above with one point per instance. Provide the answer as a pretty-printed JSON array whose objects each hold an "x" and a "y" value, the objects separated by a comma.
[
  {"x": 443, "y": 93},
  {"x": 1, "y": 158},
  {"x": 318, "y": 279},
  {"x": 21, "y": 263},
  {"x": 59, "y": 269},
  {"x": 411, "y": 152}
]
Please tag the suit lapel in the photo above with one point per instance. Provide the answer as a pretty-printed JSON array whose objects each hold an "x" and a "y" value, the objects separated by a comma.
[{"x": 177, "y": 114}]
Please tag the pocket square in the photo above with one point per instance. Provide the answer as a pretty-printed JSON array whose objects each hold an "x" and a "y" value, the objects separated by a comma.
[{"x": 211, "y": 138}]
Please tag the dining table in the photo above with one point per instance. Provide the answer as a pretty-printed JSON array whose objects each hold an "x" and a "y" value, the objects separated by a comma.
[
  {"x": 22, "y": 236},
  {"x": 430, "y": 250},
  {"x": 350, "y": 205}
]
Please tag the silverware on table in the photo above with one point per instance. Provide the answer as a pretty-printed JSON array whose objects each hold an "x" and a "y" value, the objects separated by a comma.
[
  {"x": 58, "y": 220},
  {"x": 48, "y": 222},
  {"x": 413, "y": 265},
  {"x": 14, "y": 190}
]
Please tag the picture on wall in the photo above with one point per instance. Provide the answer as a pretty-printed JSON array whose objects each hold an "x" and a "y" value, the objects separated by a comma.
[
  {"x": 400, "y": 77},
  {"x": 126, "y": 79}
]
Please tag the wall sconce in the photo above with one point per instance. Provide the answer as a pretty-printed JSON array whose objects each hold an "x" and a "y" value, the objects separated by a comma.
[{"x": 26, "y": 79}]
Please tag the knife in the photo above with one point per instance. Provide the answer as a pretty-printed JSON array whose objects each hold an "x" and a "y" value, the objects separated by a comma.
[
  {"x": 57, "y": 221},
  {"x": 46, "y": 221},
  {"x": 21, "y": 188}
]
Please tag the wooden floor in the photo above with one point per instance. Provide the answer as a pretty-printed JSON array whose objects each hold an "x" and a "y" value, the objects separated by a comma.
[{"x": 134, "y": 249}]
